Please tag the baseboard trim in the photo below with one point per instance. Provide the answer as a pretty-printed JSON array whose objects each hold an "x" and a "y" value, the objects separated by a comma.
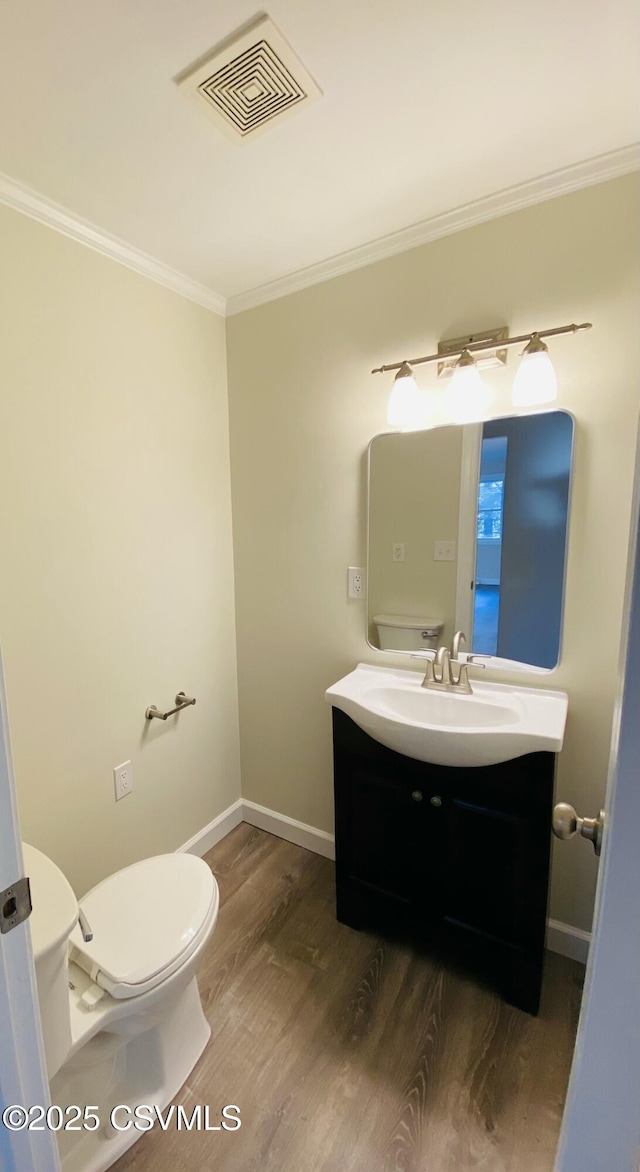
[
  {"x": 561, "y": 938},
  {"x": 318, "y": 841},
  {"x": 568, "y": 941},
  {"x": 214, "y": 832}
]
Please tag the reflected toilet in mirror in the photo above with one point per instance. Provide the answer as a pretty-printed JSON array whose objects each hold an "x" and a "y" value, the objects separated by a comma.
[
  {"x": 469, "y": 524},
  {"x": 406, "y": 632}
]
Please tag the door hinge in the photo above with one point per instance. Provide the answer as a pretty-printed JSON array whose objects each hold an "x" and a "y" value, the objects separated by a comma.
[{"x": 15, "y": 905}]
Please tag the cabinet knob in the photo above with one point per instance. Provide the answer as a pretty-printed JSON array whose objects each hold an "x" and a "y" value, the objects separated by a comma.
[
  {"x": 436, "y": 800},
  {"x": 417, "y": 795}
]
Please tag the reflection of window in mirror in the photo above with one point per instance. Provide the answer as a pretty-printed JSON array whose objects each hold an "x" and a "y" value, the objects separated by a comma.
[{"x": 493, "y": 464}]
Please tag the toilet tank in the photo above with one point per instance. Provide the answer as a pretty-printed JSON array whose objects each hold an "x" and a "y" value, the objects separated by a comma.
[
  {"x": 398, "y": 632},
  {"x": 54, "y": 915}
]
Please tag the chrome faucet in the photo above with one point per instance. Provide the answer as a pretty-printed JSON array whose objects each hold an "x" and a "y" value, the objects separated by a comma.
[{"x": 441, "y": 674}]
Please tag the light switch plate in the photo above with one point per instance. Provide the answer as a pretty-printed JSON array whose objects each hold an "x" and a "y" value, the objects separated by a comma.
[
  {"x": 444, "y": 551},
  {"x": 397, "y": 551}
]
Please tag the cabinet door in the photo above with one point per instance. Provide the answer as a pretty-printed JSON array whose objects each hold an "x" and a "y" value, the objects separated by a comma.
[
  {"x": 383, "y": 845},
  {"x": 487, "y": 876}
]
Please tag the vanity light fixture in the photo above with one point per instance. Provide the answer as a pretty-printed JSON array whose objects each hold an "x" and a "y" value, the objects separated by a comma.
[
  {"x": 468, "y": 396},
  {"x": 535, "y": 381},
  {"x": 405, "y": 401}
]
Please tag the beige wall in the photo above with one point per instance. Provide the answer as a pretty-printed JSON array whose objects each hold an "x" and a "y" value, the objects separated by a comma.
[
  {"x": 303, "y": 408},
  {"x": 414, "y": 493},
  {"x": 117, "y": 583},
  {"x": 116, "y": 529}
]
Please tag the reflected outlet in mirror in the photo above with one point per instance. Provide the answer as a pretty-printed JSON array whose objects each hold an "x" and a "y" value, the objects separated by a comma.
[{"x": 481, "y": 513}]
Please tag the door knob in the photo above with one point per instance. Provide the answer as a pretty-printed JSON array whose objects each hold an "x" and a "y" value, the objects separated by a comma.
[{"x": 566, "y": 823}]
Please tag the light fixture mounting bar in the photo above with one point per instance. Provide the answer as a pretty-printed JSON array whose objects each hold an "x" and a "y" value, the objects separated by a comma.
[
  {"x": 493, "y": 355},
  {"x": 484, "y": 345}
]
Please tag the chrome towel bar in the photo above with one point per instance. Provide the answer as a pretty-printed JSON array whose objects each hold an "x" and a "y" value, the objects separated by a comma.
[{"x": 182, "y": 701}]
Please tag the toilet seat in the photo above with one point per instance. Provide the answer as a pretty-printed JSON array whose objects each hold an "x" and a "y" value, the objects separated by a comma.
[{"x": 147, "y": 920}]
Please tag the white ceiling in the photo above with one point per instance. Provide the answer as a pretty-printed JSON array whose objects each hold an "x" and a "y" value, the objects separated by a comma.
[{"x": 427, "y": 107}]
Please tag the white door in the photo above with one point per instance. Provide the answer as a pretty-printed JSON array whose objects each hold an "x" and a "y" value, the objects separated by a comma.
[
  {"x": 601, "y": 1125},
  {"x": 23, "y": 1080}
]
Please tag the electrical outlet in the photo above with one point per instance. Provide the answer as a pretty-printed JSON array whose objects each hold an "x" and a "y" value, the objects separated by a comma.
[
  {"x": 444, "y": 551},
  {"x": 397, "y": 551},
  {"x": 357, "y": 582},
  {"x": 123, "y": 780}
]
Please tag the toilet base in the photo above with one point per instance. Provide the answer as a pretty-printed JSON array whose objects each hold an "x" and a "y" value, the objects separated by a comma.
[{"x": 113, "y": 1068}]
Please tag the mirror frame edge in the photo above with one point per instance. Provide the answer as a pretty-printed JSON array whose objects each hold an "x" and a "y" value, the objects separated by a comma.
[{"x": 494, "y": 663}]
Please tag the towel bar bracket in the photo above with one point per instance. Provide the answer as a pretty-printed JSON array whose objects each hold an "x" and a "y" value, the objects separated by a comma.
[{"x": 182, "y": 701}]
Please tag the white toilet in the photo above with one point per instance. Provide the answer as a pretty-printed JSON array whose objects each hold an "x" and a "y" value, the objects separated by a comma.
[
  {"x": 399, "y": 632},
  {"x": 121, "y": 1013}
]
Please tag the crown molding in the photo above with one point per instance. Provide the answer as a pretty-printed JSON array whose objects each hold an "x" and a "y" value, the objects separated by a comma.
[
  {"x": 24, "y": 199},
  {"x": 513, "y": 199}
]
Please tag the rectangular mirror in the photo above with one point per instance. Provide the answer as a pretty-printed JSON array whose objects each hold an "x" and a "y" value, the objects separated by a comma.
[{"x": 468, "y": 531}]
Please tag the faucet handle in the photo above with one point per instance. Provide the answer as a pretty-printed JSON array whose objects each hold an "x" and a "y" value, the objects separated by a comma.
[{"x": 473, "y": 659}]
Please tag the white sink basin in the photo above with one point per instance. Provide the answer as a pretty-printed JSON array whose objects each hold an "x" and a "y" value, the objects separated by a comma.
[{"x": 497, "y": 722}]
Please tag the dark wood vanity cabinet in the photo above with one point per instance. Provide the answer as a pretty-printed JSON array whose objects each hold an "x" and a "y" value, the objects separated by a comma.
[{"x": 455, "y": 857}]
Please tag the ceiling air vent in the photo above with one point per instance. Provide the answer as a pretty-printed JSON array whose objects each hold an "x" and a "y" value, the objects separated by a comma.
[{"x": 250, "y": 82}]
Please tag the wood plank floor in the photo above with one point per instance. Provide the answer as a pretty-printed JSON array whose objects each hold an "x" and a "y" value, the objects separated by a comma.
[{"x": 348, "y": 1053}]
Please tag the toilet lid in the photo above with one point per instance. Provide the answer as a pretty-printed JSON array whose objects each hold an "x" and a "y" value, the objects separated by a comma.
[
  {"x": 146, "y": 921},
  {"x": 55, "y": 907}
]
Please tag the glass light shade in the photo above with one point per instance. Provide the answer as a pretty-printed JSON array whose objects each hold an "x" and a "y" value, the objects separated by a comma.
[
  {"x": 535, "y": 380},
  {"x": 468, "y": 397},
  {"x": 405, "y": 408}
]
